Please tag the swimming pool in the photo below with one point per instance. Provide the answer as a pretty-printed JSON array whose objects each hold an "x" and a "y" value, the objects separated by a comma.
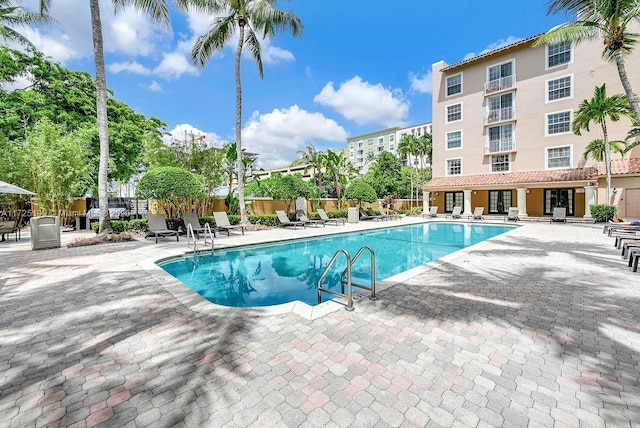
[{"x": 271, "y": 274}]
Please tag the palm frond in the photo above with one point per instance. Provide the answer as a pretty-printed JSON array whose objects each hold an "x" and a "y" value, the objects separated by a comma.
[
  {"x": 157, "y": 10},
  {"x": 253, "y": 45},
  {"x": 212, "y": 41}
]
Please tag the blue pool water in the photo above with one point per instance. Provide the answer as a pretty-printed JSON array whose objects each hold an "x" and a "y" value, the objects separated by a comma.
[{"x": 271, "y": 274}]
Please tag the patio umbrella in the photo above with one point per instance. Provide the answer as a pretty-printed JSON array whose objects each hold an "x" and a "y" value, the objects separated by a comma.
[{"x": 10, "y": 188}]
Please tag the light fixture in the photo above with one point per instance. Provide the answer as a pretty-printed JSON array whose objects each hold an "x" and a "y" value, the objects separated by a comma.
[
  {"x": 475, "y": 193},
  {"x": 615, "y": 190},
  {"x": 437, "y": 193},
  {"x": 528, "y": 190}
]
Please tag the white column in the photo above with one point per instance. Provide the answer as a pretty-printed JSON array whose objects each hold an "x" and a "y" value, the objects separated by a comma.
[
  {"x": 589, "y": 199},
  {"x": 522, "y": 202},
  {"x": 425, "y": 201},
  {"x": 467, "y": 202}
]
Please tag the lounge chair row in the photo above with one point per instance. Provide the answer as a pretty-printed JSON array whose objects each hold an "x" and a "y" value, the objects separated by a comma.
[{"x": 627, "y": 239}]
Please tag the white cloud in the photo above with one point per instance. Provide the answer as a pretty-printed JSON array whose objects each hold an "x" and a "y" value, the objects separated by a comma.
[
  {"x": 185, "y": 131},
  {"x": 132, "y": 67},
  {"x": 493, "y": 46},
  {"x": 279, "y": 135},
  {"x": 174, "y": 65},
  {"x": 155, "y": 87},
  {"x": 273, "y": 55},
  {"x": 421, "y": 84},
  {"x": 365, "y": 103}
]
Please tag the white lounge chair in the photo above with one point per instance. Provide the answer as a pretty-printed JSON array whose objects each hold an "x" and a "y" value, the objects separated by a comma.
[
  {"x": 285, "y": 222},
  {"x": 456, "y": 213},
  {"x": 222, "y": 223},
  {"x": 433, "y": 212},
  {"x": 559, "y": 215},
  {"x": 512, "y": 215},
  {"x": 158, "y": 227},
  {"x": 477, "y": 214}
]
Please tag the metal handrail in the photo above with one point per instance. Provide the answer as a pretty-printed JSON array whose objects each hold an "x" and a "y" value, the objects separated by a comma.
[
  {"x": 208, "y": 234},
  {"x": 349, "y": 293},
  {"x": 371, "y": 287}
]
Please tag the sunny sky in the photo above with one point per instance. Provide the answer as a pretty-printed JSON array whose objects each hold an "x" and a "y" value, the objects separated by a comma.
[{"x": 359, "y": 66}]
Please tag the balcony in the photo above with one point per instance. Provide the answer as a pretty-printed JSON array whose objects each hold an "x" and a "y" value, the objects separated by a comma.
[
  {"x": 503, "y": 145},
  {"x": 500, "y": 115},
  {"x": 498, "y": 85}
]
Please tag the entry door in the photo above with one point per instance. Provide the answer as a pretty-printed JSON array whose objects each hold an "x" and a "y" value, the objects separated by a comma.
[
  {"x": 499, "y": 201},
  {"x": 632, "y": 207},
  {"x": 559, "y": 198}
]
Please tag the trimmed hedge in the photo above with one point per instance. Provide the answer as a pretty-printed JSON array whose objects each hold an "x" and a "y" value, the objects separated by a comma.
[{"x": 603, "y": 212}]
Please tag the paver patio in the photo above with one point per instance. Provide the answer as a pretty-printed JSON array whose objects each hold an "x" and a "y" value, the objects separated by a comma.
[{"x": 537, "y": 327}]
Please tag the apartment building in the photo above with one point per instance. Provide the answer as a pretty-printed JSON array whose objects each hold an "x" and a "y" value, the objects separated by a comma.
[
  {"x": 502, "y": 132},
  {"x": 363, "y": 149}
]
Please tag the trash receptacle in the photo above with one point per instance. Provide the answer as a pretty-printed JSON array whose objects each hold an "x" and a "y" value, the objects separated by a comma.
[
  {"x": 45, "y": 232},
  {"x": 353, "y": 216}
]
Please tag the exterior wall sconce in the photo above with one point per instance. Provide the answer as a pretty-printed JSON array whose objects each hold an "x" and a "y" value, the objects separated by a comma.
[
  {"x": 528, "y": 190},
  {"x": 437, "y": 193},
  {"x": 615, "y": 190},
  {"x": 475, "y": 193}
]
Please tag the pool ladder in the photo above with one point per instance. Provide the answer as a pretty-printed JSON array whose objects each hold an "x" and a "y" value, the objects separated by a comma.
[
  {"x": 346, "y": 277},
  {"x": 191, "y": 235}
]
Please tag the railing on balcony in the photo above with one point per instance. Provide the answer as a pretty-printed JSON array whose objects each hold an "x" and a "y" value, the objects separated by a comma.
[
  {"x": 505, "y": 144},
  {"x": 499, "y": 84},
  {"x": 500, "y": 115}
]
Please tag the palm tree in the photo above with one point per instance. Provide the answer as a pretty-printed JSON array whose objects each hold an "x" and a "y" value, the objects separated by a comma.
[
  {"x": 313, "y": 158},
  {"x": 251, "y": 19},
  {"x": 340, "y": 170},
  {"x": 608, "y": 19},
  {"x": 424, "y": 147},
  {"x": 598, "y": 109},
  {"x": 158, "y": 11},
  {"x": 408, "y": 148},
  {"x": 16, "y": 16}
]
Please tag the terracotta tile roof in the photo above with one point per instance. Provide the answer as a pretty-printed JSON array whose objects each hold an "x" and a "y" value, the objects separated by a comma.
[
  {"x": 621, "y": 166},
  {"x": 493, "y": 52},
  {"x": 513, "y": 178}
]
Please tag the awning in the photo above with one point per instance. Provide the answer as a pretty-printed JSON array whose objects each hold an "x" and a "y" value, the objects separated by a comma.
[{"x": 15, "y": 190}]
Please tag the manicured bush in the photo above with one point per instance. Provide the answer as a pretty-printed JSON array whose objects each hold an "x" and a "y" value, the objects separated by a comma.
[
  {"x": 603, "y": 212},
  {"x": 360, "y": 191}
]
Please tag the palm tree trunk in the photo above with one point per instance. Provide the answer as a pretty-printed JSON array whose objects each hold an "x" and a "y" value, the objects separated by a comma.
[
  {"x": 607, "y": 160},
  {"x": 101, "y": 110},
  {"x": 240, "y": 166},
  {"x": 622, "y": 72}
]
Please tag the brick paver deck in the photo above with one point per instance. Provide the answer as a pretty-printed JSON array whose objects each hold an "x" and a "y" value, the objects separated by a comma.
[{"x": 537, "y": 327}]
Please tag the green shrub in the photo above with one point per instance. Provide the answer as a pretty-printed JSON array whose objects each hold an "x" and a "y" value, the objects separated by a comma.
[
  {"x": 331, "y": 214},
  {"x": 603, "y": 212}
]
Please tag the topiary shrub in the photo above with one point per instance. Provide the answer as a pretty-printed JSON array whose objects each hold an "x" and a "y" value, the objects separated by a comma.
[
  {"x": 172, "y": 187},
  {"x": 603, "y": 212},
  {"x": 360, "y": 191}
]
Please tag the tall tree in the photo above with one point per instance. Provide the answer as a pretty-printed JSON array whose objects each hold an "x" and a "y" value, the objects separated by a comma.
[
  {"x": 409, "y": 147},
  {"x": 157, "y": 10},
  {"x": 12, "y": 16},
  {"x": 251, "y": 19},
  {"x": 609, "y": 20},
  {"x": 340, "y": 171},
  {"x": 597, "y": 110}
]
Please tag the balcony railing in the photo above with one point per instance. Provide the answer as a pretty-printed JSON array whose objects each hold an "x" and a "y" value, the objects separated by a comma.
[
  {"x": 499, "y": 84},
  {"x": 500, "y": 115},
  {"x": 503, "y": 145}
]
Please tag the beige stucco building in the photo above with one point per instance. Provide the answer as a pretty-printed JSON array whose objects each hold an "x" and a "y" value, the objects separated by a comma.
[{"x": 502, "y": 132}]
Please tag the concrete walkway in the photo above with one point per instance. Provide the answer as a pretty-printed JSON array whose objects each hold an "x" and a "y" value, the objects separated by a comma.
[{"x": 537, "y": 327}]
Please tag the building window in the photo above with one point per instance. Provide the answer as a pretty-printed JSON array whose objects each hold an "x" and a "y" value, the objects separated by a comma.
[
  {"x": 501, "y": 138},
  {"x": 559, "y": 157},
  {"x": 380, "y": 149},
  {"x": 454, "y": 166},
  {"x": 500, "y": 108},
  {"x": 500, "y": 163},
  {"x": 558, "y": 54},
  {"x": 392, "y": 138},
  {"x": 499, "y": 77},
  {"x": 559, "y": 88},
  {"x": 559, "y": 123},
  {"x": 380, "y": 141},
  {"x": 392, "y": 147},
  {"x": 454, "y": 112},
  {"x": 454, "y": 85},
  {"x": 453, "y": 199},
  {"x": 454, "y": 140},
  {"x": 370, "y": 142}
]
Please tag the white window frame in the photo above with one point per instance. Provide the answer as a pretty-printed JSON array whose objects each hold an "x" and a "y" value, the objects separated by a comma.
[
  {"x": 546, "y": 88},
  {"x": 446, "y": 140},
  {"x": 392, "y": 138},
  {"x": 380, "y": 141},
  {"x": 446, "y": 113},
  {"x": 446, "y": 167},
  {"x": 546, "y": 57},
  {"x": 546, "y": 123},
  {"x": 446, "y": 85},
  {"x": 508, "y": 155},
  {"x": 563, "y": 146},
  {"x": 513, "y": 68}
]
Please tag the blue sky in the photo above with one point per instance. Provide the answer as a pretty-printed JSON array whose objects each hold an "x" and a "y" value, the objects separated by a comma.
[{"x": 359, "y": 66}]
